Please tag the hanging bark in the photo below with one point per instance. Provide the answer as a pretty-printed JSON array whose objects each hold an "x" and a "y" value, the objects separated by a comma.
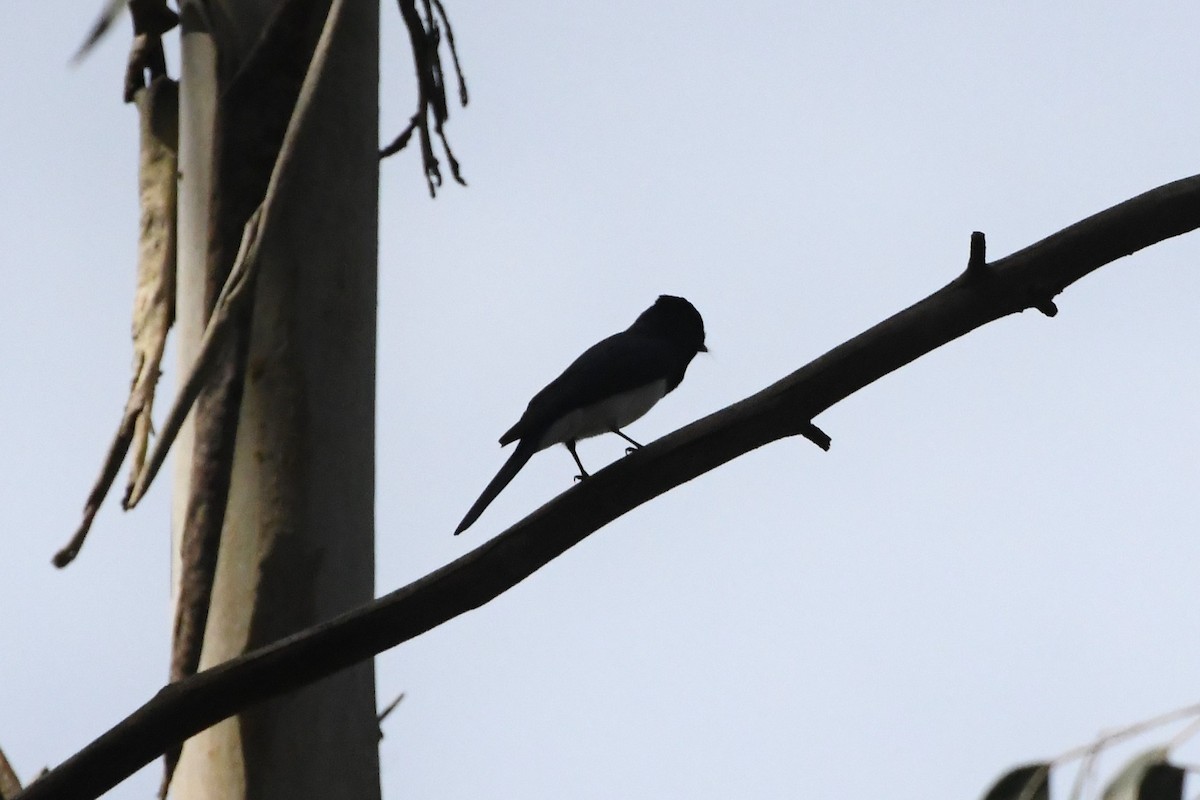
[{"x": 154, "y": 298}]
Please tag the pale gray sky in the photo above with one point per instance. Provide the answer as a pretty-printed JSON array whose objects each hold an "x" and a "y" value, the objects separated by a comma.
[{"x": 996, "y": 560}]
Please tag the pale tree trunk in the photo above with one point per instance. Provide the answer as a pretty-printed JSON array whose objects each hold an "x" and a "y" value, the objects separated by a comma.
[{"x": 297, "y": 543}]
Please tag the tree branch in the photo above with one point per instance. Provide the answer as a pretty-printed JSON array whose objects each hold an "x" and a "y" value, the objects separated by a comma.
[
  {"x": 1026, "y": 279},
  {"x": 425, "y": 36}
]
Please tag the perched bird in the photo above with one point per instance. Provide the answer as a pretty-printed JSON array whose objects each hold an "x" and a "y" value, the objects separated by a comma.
[{"x": 613, "y": 383}]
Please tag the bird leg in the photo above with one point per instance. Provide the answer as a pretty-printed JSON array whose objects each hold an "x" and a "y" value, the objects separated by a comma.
[
  {"x": 583, "y": 473},
  {"x": 628, "y": 450}
]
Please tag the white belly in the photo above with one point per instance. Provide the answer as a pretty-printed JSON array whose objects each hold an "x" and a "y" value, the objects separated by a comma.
[{"x": 603, "y": 417}]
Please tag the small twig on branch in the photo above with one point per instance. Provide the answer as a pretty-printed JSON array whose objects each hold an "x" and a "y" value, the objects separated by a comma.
[
  {"x": 781, "y": 410},
  {"x": 108, "y": 15},
  {"x": 977, "y": 262},
  {"x": 387, "y": 711},
  {"x": 149, "y": 17},
  {"x": 1046, "y": 306},
  {"x": 425, "y": 38},
  {"x": 1119, "y": 735},
  {"x": 401, "y": 141},
  {"x": 462, "y": 82},
  {"x": 390, "y": 708}
]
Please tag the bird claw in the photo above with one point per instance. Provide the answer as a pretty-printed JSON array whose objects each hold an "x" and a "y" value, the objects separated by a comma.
[{"x": 582, "y": 476}]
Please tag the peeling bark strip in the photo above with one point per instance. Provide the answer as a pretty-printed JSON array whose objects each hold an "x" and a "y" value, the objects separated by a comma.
[
  {"x": 10, "y": 784},
  {"x": 154, "y": 300},
  {"x": 983, "y": 293}
]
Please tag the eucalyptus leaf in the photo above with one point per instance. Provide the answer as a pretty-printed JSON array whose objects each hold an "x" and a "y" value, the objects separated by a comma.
[
  {"x": 1028, "y": 782},
  {"x": 1147, "y": 777}
]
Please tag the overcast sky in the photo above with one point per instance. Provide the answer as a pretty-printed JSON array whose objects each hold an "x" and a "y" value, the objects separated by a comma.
[{"x": 996, "y": 560}]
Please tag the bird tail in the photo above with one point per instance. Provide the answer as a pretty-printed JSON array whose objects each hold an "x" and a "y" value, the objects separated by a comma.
[{"x": 523, "y": 453}]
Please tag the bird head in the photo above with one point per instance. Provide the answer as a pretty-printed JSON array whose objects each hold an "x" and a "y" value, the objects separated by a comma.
[{"x": 676, "y": 320}]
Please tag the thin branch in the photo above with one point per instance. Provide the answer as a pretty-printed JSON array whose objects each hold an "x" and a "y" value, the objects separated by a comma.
[
  {"x": 108, "y": 15},
  {"x": 146, "y": 60},
  {"x": 462, "y": 81},
  {"x": 425, "y": 39},
  {"x": 108, "y": 473},
  {"x": 1181, "y": 738},
  {"x": 455, "y": 169},
  {"x": 1119, "y": 735},
  {"x": 401, "y": 141},
  {"x": 150, "y": 17},
  {"x": 784, "y": 409},
  {"x": 385, "y": 713}
]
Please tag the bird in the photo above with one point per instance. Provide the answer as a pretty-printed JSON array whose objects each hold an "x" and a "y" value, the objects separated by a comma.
[{"x": 614, "y": 382}]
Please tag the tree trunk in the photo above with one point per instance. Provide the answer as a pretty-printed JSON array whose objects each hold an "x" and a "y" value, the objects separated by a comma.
[{"x": 297, "y": 546}]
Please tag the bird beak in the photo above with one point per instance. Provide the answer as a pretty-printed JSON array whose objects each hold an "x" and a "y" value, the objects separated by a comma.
[{"x": 703, "y": 349}]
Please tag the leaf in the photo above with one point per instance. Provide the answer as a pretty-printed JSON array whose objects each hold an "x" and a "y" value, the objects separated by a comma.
[
  {"x": 1147, "y": 777},
  {"x": 1029, "y": 782}
]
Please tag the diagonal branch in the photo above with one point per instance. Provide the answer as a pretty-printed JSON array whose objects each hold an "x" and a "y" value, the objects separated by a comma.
[
  {"x": 1027, "y": 279},
  {"x": 150, "y": 17},
  {"x": 232, "y": 301}
]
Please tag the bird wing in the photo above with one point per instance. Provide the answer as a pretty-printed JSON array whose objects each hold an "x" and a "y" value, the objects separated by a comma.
[{"x": 618, "y": 364}]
